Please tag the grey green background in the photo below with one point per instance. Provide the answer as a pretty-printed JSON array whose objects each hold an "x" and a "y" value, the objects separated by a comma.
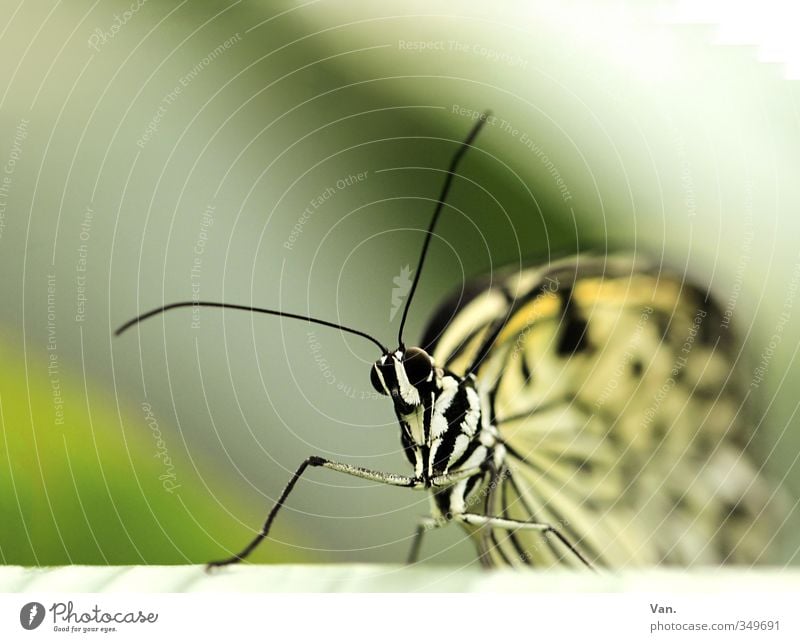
[{"x": 667, "y": 145}]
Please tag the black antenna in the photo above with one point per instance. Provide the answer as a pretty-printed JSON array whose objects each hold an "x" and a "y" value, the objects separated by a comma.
[
  {"x": 247, "y": 308},
  {"x": 442, "y": 197}
]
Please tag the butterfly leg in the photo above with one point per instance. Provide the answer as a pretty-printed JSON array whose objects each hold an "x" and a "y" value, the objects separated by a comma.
[
  {"x": 363, "y": 473},
  {"x": 513, "y": 524},
  {"x": 425, "y": 524}
]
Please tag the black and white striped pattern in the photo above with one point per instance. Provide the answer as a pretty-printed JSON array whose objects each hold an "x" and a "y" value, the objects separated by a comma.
[{"x": 443, "y": 429}]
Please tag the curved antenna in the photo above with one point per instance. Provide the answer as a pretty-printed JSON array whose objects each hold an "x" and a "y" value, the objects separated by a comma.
[
  {"x": 247, "y": 308},
  {"x": 439, "y": 206}
]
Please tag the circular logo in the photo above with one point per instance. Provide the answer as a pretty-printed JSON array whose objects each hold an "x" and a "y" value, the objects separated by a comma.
[{"x": 31, "y": 615}]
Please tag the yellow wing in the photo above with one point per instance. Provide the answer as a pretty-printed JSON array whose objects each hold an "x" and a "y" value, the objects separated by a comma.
[{"x": 617, "y": 392}]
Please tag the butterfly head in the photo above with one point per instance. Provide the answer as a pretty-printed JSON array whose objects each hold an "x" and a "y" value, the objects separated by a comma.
[{"x": 405, "y": 375}]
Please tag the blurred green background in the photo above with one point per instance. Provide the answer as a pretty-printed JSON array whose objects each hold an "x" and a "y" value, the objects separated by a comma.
[{"x": 156, "y": 150}]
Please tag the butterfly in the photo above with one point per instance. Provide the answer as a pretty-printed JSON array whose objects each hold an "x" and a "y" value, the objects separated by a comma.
[{"x": 587, "y": 412}]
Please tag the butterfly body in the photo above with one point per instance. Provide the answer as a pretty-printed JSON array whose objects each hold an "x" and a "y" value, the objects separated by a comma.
[{"x": 443, "y": 431}]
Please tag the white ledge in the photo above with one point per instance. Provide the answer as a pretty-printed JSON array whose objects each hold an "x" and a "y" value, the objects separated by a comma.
[{"x": 384, "y": 578}]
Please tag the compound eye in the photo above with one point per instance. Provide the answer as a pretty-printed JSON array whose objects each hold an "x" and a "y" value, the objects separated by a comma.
[
  {"x": 418, "y": 366},
  {"x": 376, "y": 380}
]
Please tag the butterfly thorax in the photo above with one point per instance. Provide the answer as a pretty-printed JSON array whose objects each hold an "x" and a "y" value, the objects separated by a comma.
[{"x": 445, "y": 434}]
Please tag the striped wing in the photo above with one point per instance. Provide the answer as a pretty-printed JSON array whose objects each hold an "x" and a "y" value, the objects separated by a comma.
[{"x": 615, "y": 390}]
